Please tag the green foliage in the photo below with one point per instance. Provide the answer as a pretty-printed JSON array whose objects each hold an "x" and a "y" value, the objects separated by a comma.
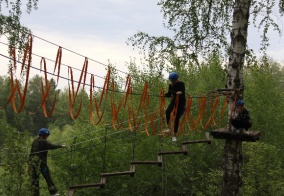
[
  {"x": 13, "y": 173},
  {"x": 264, "y": 98},
  {"x": 193, "y": 32},
  {"x": 262, "y": 171},
  {"x": 97, "y": 149}
]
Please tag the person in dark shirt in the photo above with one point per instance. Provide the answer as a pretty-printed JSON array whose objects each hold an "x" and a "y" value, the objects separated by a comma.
[
  {"x": 241, "y": 119},
  {"x": 176, "y": 88},
  {"x": 38, "y": 162}
]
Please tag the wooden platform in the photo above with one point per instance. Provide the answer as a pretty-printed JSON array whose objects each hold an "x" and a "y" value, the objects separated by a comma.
[
  {"x": 131, "y": 173},
  {"x": 101, "y": 185},
  {"x": 250, "y": 136},
  {"x": 159, "y": 163},
  {"x": 208, "y": 141},
  {"x": 72, "y": 188},
  {"x": 185, "y": 152}
]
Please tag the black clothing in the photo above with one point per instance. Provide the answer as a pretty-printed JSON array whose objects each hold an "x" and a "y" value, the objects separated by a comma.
[
  {"x": 172, "y": 90},
  {"x": 38, "y": 164},
  {"x": 35, "y": 172},
  {"x": 242, "y": 120}
]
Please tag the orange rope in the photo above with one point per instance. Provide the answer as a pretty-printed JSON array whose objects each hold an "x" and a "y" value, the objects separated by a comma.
[
  {"x": 58, "y": 62},
  {"x": 201, "y": 110},
  {"x": 14, "y": 88},
  {"x": 160, "y": 108},
  {"x": 72, "y": 96},
  {"x": 98, "y": 105},
  {"x": 223, "y": 109},
  {"x": 187, "y": 115},
  {"x": 45, "y": 94},
  {"x": 213, "y": 111},
  {"x": 133, "y": 120},
  {"x": 92, "y": 86},
  {"x": 114, "y": 111}
]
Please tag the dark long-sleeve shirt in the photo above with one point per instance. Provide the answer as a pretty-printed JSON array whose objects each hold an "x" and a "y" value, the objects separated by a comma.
[
  {"x": 40, "y": 149},
  {"x": 173, "y": 89},
  {"x": 242, "y": 120}
]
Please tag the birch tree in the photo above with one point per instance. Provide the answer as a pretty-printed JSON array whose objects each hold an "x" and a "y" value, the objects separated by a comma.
[
  {"x": 10, "y": 24},
  {"x": 201, "y": 27}
]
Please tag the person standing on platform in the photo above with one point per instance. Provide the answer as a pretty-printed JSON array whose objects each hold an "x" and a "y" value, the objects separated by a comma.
[
  {"x": 38, "y": 162},
  {"x": 176, "y": 88}
]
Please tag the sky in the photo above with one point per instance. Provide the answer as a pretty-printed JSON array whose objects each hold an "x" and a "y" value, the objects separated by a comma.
[{"x": 99, "y": 29}]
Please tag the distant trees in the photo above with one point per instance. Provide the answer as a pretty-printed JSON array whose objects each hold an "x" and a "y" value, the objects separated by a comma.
[
  {"x": 201, "y": 28},
  {"x": 97, "y": 149}
]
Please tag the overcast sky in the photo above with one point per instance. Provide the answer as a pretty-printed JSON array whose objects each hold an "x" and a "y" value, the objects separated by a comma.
[{"x": 98, "y": 29}]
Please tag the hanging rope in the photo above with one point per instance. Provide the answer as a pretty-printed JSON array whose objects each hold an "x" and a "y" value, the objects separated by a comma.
[
  {"x": 16, "y": 87},
  {"x": 95, "y": 106}
]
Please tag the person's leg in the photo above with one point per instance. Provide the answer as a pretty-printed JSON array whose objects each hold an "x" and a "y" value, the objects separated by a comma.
[
  {"x": 180, "y": 112},
  {"x": 236, "y": 123},
  {"x": 51, "y": 186},
  {"x": 35, "y": 181},
  {"x": 169, "y": 111}
]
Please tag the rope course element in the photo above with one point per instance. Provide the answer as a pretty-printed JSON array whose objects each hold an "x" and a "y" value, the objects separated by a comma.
[
  {"x": 99, "y": 107},
  {"x": 133, "y": 163}
]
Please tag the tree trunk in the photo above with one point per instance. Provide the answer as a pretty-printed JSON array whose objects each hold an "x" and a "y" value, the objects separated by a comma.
[{"x": 232, "y": 160}]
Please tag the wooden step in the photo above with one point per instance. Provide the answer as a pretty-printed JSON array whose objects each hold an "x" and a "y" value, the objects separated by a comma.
[
  {"x": 159, "y": 163},
  {"x": 71, "y": 192},
  {"x": 197, "y": 141},
  {"x": 87, "y": 185},
  {"x": 131, "y": 173},
  {"x": 250, "y": 136},
  {"x": 72, "y": 188},
  {"x": 185, "y": 152}
]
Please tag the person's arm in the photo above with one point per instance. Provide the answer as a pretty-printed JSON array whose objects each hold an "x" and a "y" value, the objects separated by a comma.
[
  {"x": 245, "y": 115},
  {"x": 180, "y": 88},
  {"x": 51, "y": 146},
  {"x": 168, "y": 94}
]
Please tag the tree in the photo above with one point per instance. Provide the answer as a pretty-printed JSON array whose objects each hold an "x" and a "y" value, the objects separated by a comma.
[
  {"x": 201, "y": 27},
  {"x": 10, "y": 24}
]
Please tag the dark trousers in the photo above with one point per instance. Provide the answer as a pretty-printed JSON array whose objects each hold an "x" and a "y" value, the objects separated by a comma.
[
  {"x": 238, "y": 124},
  {"x": 180, "y": 111},
  {"x": 35, "y": 180}
]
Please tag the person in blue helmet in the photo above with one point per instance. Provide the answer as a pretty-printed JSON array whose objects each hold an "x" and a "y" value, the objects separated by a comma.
[
  {"x": 176, "y": 88},
  {"x": 241, "y": 120},
  {"x": 38, "y": 162}
]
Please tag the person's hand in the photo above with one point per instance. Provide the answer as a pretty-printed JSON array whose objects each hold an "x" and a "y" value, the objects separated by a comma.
[
  {"x": 64, "y": 146},
  {"x": 179, "y": 93}
]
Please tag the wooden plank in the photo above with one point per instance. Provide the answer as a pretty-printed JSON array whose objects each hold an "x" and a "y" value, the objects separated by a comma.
[
  {"x": 159, "y": 163},
  {"x": 71, "y": 192},
  {"x": 103, "y": 180},
  {"x": 185, "y": 152},
  {"x": 197, "y": 141},
  {"x": 132, "y": 167},
  {"x": 131, "y": 173},
  {"x": 86, "y": 186},
  {"x": 222, "y": 133},
  {"x": 207, "y": 140}
]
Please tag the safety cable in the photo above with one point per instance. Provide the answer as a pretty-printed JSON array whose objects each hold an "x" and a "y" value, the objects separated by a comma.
[
  {"x": 69, "y": 80},
  {"x": 28, "y": 33},
  {"x": 89, "y": 132}
]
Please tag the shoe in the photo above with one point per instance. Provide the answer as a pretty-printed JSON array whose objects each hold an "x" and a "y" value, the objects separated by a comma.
[
  {"x": 167, "y": 131},
  {"x": 174, "y": 139},
  {"x": 240, "y": 131}
]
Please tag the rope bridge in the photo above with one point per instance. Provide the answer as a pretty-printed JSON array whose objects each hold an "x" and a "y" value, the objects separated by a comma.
[{"x": 206, "y": 114}]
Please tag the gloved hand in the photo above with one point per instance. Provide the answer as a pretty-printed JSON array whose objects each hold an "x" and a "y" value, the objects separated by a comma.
[{"x": 179, "y": 93}]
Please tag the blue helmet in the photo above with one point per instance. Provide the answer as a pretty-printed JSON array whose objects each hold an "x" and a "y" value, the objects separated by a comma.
[
  {"x": 240, "y": 102},
  {"x": 43, "y": 131},
  {"x": 173, "y": 76}
]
